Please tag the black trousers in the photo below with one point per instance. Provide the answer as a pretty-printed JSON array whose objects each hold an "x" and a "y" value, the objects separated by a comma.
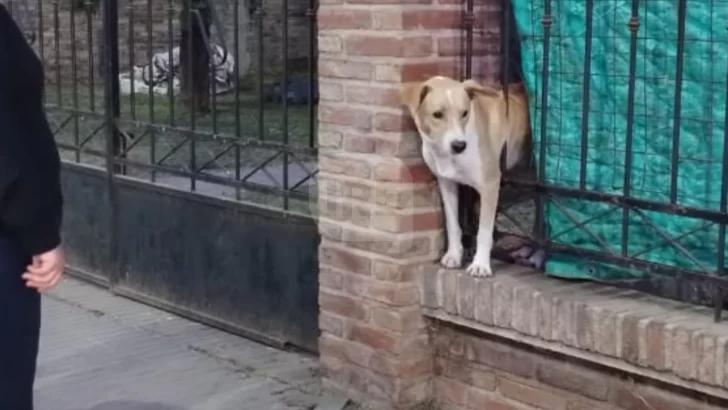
[{"x": 19, "y": 329}]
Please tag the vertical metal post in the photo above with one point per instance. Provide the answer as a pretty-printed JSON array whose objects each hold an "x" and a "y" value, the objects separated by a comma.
[
  {"x": 677, "y": 103},
  {"x": 540, "y": 200},
  {"x": 586, "y": 101},
  {"x": 634, "y": 24},
  {"x": 110, "y": 26}
]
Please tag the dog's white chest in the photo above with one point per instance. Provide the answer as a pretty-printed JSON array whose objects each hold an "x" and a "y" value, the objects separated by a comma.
[{"x": 464, "y": 168}]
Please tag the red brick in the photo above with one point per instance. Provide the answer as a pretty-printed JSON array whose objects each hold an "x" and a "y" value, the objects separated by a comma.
[
  {"x": 398, "y": 320},
  {"x": 501, "y": 356},
  {"x": 531, "y": 395},
  {"x": 396, "y": 170},
  {"x": 464, "y": 371},
  {"x": 385, "y": 292},
  {"x": 630, "y": 338},
  {"x": 347, "y": 116},
  {"x": 407, "y": 245},
  {"x": 344, "y": 211},
  {"x": 345, "y": 350},
  {"x": 340, "y": 18},
  {"x": 345, "y": 259},
  {"x": 330, "y": 279},
  {"x": 338, "y": 164},
  {"x": 412, "y": 196},
  {"x": 432, "y": 19},
  {"x": 330, "y": 44},
  {"x": 404, "y": 145},
  {"x": 574, "y": 378},
  {"x": 451, "y": 390},
  {"x": 389, "y": 1},
  {"x": 342, "y": 305},
  {"x": 329, "y": 229},
  {"x": 384, "y": 19},
  {"x": 400, "y": 367},
  {"x": 331, "y": 324},
  {"x": 485, "y": 400},
  {"x": 331, "y": 91},
  {"x": 654, "y": 335},
  {"x": 393, "y": 272},
  {"x": 390, "y": 122},
  {"x": 329, "y": 139},
  {"x": 377, "y": 339},
  {"x": 423, "y": 71},
  {"x": 388, "y": 46},
  {"x": 631, "y": 396},
  {"x": 398, "y": 223},
  {"x": 373, "y": 95},
  {"x": 354, "y": 70},
  {"x": 451, "y": 46},
  {"x": 388, "y": 73},
  {"x": 359, "y": 143}
]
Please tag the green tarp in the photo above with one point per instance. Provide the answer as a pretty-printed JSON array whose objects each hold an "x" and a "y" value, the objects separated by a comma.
[{"x": 701, "y": 126}]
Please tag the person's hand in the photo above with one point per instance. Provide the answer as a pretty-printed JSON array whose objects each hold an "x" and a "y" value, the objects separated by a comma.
[{"x": 45, "y": 270}]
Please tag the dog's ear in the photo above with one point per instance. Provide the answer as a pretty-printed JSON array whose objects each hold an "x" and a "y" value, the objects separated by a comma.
[
  {"x": 474, "y": 88},
  {"x": 412, "y": 95}
]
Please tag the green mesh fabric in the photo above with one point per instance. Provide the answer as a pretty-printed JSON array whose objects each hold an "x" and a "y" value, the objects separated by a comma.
[{"x": 701, "y": 126}]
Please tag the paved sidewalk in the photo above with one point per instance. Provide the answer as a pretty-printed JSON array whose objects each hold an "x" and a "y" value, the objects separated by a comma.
[{"x": 102, "y": 352}]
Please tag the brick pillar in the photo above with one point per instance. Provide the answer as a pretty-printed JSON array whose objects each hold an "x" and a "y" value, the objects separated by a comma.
[{"x": 380, "y": 217}]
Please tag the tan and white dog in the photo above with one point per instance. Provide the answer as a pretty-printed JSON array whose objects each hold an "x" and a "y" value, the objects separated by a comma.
[{"x": 464, "y": 128}]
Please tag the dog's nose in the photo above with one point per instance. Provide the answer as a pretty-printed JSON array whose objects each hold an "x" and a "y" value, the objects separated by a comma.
[{"x": 458, "y": 146}]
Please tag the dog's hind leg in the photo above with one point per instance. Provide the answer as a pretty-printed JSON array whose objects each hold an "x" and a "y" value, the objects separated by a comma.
[{"x": 523, "y": 203}]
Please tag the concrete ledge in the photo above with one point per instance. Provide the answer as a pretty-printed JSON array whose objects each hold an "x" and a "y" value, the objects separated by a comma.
[{"x": 658, "y": 339}]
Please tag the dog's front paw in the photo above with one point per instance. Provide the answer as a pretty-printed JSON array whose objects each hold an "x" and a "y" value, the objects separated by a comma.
[
  {"x": 452, "y": 259},
  {"x": 480, "y": 269}
]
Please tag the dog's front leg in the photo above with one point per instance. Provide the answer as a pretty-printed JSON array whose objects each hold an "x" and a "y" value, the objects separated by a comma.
[
  {"x": 488, "y": 205},
  {"x": 453, "y": 257}
]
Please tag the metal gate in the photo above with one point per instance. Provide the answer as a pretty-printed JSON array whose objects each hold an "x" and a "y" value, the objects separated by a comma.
[{"x": 197, "y": 202}]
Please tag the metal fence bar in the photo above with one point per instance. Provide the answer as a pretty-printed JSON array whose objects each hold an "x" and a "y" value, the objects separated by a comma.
[
  {"x": 634, "y": 24},
  {"x": 74, "y": 85},
  {"x": 112, "y": 110},
  {"x": 677, "y": 102},
  {"x": 90, "y": 36},
  {"x": 150, "y": 93},
  {"x": 586, "y": 101},
  {"x": 540, "y": 223}
]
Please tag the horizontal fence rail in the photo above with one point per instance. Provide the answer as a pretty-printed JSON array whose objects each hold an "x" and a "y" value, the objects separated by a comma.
[{"x": 638, "y": 200}]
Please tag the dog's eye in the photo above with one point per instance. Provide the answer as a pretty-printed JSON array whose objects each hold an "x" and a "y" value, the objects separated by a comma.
[
  {"x": 464, "y": 114},
  {"x": 437, "y": 114}
]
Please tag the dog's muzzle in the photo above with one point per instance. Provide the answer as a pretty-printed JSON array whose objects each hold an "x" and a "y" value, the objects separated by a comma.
[{"x": 458, "y": 146}]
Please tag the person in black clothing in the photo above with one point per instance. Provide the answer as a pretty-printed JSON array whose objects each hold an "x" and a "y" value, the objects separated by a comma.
[{"x": 31, "y": 256}]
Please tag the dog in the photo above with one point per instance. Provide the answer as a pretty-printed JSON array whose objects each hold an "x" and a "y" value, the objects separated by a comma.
[{"x": 465, "y": 127}]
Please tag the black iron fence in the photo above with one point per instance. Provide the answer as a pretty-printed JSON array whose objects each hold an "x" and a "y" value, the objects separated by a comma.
[
  {"x": 216, "y": 97},
  {"x": 629, "y": 120}
]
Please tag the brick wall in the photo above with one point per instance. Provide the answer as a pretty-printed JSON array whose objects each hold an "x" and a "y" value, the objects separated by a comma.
[
  {"x": 380, "y": 218},
  {"x": 522, "y": 341},
  {"x": 60, "y": 22},
  {"x": 486, "y": 373}
]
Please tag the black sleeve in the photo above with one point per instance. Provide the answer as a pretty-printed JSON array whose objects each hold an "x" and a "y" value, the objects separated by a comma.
[{"x": 30, "y": 194}]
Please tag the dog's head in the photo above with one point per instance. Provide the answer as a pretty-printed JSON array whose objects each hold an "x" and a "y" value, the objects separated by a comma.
[{"x": 441, "y": 109}]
